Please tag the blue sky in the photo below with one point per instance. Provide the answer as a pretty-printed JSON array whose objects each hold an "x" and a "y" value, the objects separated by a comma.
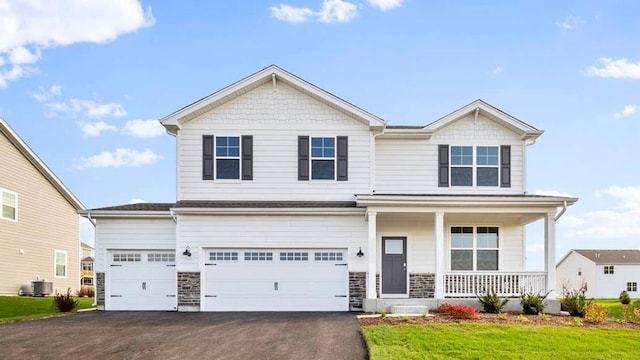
[{"x": 82, "y": 83}]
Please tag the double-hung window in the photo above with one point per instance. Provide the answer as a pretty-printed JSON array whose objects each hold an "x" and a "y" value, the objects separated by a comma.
[
  {"x": 60, "y": 260},
  {"x": 608, "y": 269},
  {"x": 323, "y": 158},
  {"x": 474, "y": 166},
  {"x": 9, "y": 202},
  {"x": 227, "y": 157},
  {"x": 632, "y": 286},
  {"x": 474, "y": 248}
]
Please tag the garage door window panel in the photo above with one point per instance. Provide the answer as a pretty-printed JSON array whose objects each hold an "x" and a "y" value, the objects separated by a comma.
[
  {"x": 258, "y": 256},
  {"x": 161, "y": 257},
  {"x": 223, "y": 256},
  {"x": 294, "y": 256},
  {"x": 328, "y": 256}
]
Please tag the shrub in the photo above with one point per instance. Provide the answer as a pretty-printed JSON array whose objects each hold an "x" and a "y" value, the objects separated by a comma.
[
  {"x": 578, "y": 322},
  {"x": 383, "y": 314},
  {"x": 86, "y": 291},
  {"x": 406, "y": 319},
  {"x": 545, "y": 317},
  {"x": 532, "y": 304},
  {"x": 521, "y": 318},
  {"x": 574, "y": 301},
  {"x": 502, "y": 316},
  {"x": 595, "y": 314},
  {"x": 631, "y": 312},
  {"x": 64, "y": 302},
  {"x": 491, "y": 303},
  {"x": 625, "y": 299},
  {"x": 459, "y": 311}
]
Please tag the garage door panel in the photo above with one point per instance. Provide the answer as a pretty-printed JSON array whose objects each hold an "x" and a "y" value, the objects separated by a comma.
[
  {"x": 142, "y": 280},
  {"x": 275, "y": 280}
]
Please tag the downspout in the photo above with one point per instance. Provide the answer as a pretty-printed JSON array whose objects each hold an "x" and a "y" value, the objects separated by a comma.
[
  {"x": 90, "y": 219},
  {"x": 95, "y": 285},
  {"x": 564, "y": 209},
  {"x": 373, "y": 159},
  {"x": 173, "y": 215},
  {"x": 524, "y": 162}
]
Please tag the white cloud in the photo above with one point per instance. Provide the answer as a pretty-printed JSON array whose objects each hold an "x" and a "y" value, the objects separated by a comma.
[
  {"x": 119, "y": 158},
  {"x": 290, "y": 14},
  {"x": 627, "y": 111},
  {"x": 619, "y": 222},
  {"x": 45, "y": 94},
  {"x": 385, "y": 5},
  {"x": 570, "y": 22},
  {"x": 498, "y": 70},
  {"x": 27, "y": 27},
  {"x": 96, "y": 128},
  {"x": 143, "y": 128},
  {"x": 331, "y": 11},
  {"x": 618, "y": 69},
  {"x": 87, "y": 108},
  {"x": 552, "y": 193},
  {"x": 137, "y": 201}
]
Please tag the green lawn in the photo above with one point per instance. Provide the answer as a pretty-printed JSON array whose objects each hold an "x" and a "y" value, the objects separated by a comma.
[
  {"x": 613, "y": 305},
  {"x": 495, "y": 341},
  {"x": 15, "y": 308}
]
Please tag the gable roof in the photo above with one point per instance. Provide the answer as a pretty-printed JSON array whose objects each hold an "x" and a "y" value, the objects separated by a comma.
[
  {"x": 606, "y": 256},
  {"x": 26, "y": 151},
  {"x": 610, "y": 256},
  {"x": 274, "y": 74},
  {"x": 525, "y": 130}
]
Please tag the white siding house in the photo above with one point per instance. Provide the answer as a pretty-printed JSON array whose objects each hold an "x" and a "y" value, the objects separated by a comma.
[
  {"x": 605, "y": 272},
  {"x": 289, "y": 198}
]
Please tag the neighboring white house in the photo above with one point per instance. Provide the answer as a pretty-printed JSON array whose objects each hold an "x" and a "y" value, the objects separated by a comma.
[
  {"x": 290, "y": 198},
  {"x": 606, "y": 272}
]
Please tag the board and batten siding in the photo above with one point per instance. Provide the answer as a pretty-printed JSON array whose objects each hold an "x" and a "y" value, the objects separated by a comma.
[
  {"x": 275, "y": 119},
  {"x": 132, "y": 234},
  {"x": 406, "y": 166},
  {"x": 46, "y": 222},
  {"x": 271, "y": 231}
]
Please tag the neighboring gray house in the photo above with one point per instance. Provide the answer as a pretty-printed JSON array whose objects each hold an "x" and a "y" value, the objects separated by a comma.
[
  {"x": 606, "y": 272},
  {"x": 290, "y": 198}
]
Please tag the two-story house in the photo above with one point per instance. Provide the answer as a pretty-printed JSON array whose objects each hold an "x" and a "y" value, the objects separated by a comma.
[
  {"x": 39, "y": 224},
  {"x": 290, "y": 198}
]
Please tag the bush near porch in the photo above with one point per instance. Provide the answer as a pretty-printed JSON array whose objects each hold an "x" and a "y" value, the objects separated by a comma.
[
  {"x": 17, "y": 308},
  {"x": 496, "y": 341}
]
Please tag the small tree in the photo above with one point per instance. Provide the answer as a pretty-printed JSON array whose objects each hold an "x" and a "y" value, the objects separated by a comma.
[
  {"x": 491, "y": 303},
  {"x": 625, "y": 299},
  {"x": 64, "y": 302}
]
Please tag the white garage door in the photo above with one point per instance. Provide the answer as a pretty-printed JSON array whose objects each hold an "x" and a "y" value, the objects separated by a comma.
[
  {"x": 276, "y": 280},
  {"x": 142, "y": 280}
]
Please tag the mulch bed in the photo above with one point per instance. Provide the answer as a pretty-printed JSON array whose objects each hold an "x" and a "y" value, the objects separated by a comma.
[{"x": 511, "y": 319}]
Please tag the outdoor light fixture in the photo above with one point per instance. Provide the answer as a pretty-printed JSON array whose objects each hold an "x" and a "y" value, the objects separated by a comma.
[
  {"x": 360, "y": 253},
  {"x": 187, "y": 252}
]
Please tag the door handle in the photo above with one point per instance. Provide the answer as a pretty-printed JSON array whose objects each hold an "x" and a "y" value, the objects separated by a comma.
[
  {"x": 275, "y": 286},
  {"x": 144, "y": 286}
]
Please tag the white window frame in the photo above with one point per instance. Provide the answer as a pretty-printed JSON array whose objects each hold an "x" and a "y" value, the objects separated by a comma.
[
  {"x": 632, "y": 286},
  {"x": 474, "y": 166},
  {"x": 475, "y": 247},
  {"x": 15, "y": 194},
  {"x": 55, "y": 264},
  {"x": 216, "y": 157},
  {"x": 609, "y": 270},
  {"x": 334, "y": 158}
]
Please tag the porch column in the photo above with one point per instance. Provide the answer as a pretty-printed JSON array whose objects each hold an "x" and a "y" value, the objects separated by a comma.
[
  {"x": 373, "y": 256},
  {"x": 439, "y": 229},
  {"x": 550, "y": 253}
]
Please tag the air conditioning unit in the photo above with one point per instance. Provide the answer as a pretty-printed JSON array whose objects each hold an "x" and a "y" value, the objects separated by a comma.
[{"x": 42, "y": 288}]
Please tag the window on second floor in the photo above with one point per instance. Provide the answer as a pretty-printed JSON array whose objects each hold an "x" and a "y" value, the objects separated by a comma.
[
  {"x": 323, "y": 158},
  {"x": 227, "y": 157},
  {"x": 608, "y": 269},
  {"x": 474, "y": 166},
  {"x": 9, "y": 202},
  {"x": 87, "y": 266}
]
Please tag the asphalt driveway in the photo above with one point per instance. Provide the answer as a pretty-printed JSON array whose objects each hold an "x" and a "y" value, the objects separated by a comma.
[{"x": 171, "y": 335}]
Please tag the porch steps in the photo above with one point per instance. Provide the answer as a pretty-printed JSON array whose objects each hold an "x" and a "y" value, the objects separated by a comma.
[{"x": 408, "y": 309}]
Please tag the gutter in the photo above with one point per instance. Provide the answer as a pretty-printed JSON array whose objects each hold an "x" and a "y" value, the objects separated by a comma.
[{"x": 564, "y": 209}]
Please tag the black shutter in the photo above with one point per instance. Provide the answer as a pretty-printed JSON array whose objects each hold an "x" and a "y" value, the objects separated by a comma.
[
  {"x": 505, "y": 165},
  {"x": 207, "y": 157},
  {"x": 303, "y": 158},
  {"x": 247, "y": 157},
  {"x": 443, "y": 165},
  {"x": 343, "y": 158}
]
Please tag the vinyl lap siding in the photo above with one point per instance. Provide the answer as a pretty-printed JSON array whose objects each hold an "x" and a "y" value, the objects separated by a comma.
[
  {"x": 46, "y": 222},
  {"x": 275, "y": 119},
  {"x": 411, "y": 165},
  {"x": 276, "y": 231},
  {"x": 134, "y": 234}
]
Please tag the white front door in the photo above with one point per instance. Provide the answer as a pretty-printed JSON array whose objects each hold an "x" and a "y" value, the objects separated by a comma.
[
  {"x": 276, "y": 280},
  {"x": 141, "y": 280}
]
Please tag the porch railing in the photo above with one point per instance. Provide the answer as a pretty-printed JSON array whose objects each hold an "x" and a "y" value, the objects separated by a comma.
[{"x": 506, "y": 284}]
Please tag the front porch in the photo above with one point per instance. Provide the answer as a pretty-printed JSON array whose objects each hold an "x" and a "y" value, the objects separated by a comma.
[{"x": 427, "y": 250}]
